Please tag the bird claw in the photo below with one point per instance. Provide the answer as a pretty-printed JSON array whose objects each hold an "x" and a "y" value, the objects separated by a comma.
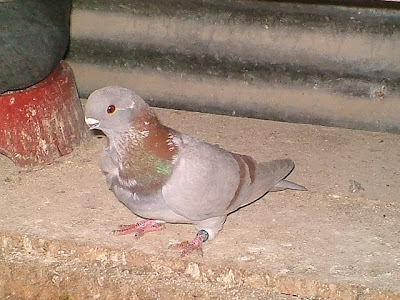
[
  {"x": 140, "y": 228},
  {"x": 194, "y": 245},
  {"x": 179, "y": 246},
  {"x": 188, "y": 247}
]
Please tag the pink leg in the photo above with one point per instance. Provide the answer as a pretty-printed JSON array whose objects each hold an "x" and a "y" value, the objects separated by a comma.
[
  {"x": 139, "y": 229},
  {"x": 195, "y": 244}
]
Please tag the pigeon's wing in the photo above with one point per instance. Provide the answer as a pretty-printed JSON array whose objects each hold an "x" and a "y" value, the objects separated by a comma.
[
  {"x": 203, "y": 182},
  {"x": 270, "y": 173},
  {"x": 264, "y": 177},
  {"x": 208, "y": 181}
]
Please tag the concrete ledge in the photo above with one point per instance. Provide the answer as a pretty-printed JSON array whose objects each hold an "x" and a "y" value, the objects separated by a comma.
[
  {"x": 33, "y": 268},
  {"x": 338, "y": 240}
]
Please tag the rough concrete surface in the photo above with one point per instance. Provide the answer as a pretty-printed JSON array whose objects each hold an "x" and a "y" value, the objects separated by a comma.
[{"x": 340, "y": 239}]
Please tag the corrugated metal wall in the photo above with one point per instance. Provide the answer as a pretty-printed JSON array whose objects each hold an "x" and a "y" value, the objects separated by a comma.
[{"x": 308, "y": 63}]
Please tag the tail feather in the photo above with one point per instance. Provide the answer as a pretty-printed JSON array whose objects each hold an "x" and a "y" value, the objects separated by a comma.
[{"x": 286, "y": 184}]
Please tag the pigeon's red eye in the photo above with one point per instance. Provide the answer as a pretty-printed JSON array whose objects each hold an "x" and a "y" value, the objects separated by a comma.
[{"x": 110, "y": 109}]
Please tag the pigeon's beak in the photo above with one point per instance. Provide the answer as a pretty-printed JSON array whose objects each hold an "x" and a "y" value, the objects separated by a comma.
[{"x": 92, "y": 123}]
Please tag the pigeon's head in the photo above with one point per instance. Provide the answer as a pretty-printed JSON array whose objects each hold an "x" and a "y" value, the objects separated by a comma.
[{"x": 111, "y": 109}]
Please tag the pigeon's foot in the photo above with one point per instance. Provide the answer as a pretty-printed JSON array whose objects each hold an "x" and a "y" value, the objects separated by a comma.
[
  {"x": 139, "y": 229},
  {"x": 194, "y": 245}
]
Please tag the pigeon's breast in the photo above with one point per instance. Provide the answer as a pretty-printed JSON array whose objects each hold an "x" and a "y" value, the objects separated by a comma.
[
  {"x": 146, "y": 158},
  {"x": 148, "y": 206}
]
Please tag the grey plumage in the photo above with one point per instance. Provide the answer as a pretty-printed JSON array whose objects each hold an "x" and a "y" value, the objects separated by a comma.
[{"x": 168, "y": 176}]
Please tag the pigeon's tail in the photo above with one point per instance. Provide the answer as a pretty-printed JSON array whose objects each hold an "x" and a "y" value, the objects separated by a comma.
[
  {"x": 286, "y": 184},
  {"x": 269, "y": 174}
]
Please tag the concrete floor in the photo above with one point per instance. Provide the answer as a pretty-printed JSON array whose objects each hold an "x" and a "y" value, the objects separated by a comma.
[{"x": 340, "y": 239}]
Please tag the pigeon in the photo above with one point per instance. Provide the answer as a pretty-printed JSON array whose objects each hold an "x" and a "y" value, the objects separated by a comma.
[{"x": 165, "y": 176}]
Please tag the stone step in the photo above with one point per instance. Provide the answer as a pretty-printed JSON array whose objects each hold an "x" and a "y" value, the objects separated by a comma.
[{"x": 338, "y": 240}]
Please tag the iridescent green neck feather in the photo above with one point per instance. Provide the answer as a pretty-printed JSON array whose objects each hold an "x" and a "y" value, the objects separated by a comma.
[{"x": 146, "y": 154}]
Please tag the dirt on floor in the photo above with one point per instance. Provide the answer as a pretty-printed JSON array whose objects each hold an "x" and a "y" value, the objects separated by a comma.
[{"x": 343, "y": 233}]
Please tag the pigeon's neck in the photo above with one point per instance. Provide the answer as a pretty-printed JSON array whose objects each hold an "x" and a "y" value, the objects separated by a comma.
[{"x": 146, "y": 153}]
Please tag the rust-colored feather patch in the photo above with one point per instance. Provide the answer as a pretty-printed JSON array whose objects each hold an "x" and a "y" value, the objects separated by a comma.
[
  {"x": 147, "y": 153},
  {"x": 243, "y": 161},
  {"x": 242, "y": 174},
  {"x": 251, "y": 165}
]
